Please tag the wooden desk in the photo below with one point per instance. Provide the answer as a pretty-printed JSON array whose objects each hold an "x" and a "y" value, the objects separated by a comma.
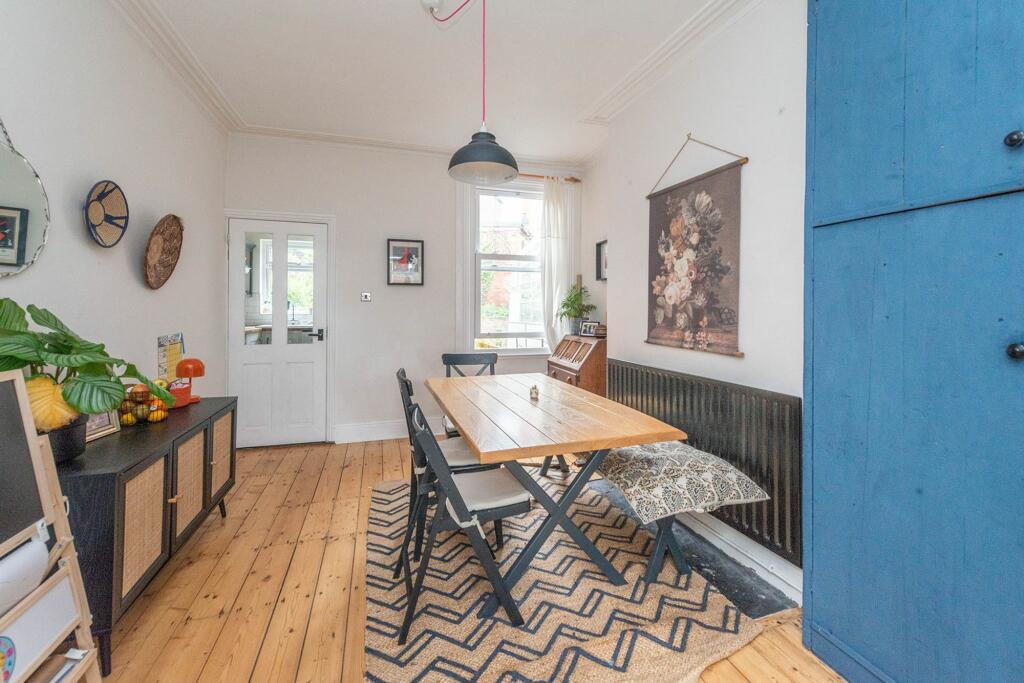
[{"x": 500, "y": 423}]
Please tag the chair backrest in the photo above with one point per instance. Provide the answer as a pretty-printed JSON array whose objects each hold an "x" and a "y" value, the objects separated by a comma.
[
  {"x": 427, "y": 444},
  {"x": 457, "y": 361},
  {"x": 405, "y": 389}
]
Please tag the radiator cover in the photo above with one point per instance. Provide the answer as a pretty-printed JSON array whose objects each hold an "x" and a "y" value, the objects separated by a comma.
[{"x": 757, "y": 431}]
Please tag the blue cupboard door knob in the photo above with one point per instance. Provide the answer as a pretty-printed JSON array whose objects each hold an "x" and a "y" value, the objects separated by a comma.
[
  {"x": 1014, "y": 138},
  {"x": 1015, "y": 351}
]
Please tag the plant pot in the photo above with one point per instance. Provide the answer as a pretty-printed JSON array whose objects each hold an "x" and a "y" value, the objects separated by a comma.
[{"x": 68, "y": 442}]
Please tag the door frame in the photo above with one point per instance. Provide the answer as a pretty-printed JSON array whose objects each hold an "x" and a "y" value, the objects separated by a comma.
[{"x": 332, "y": 318}]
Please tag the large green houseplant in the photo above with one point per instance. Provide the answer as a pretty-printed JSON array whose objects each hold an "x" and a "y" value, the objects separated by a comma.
[
  {"x": 69, "y": 377},
  {"x": 575, "y": 306}
]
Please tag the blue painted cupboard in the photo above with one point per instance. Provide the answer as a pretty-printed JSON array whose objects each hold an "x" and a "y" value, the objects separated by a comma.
[{"x": 914, "y": 392}]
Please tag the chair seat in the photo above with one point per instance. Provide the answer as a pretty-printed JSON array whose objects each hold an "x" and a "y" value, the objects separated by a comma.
[
  {"x": 665, "y": 479},
  {"x": 457, "y": 453},
  {"x": 490, "y": 489}
]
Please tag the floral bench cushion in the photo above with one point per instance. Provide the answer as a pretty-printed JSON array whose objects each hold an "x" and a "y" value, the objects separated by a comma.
[{"x": 664, "y": 479}]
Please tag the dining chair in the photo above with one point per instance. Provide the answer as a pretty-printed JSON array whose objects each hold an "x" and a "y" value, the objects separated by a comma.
[
  {"x": 478, "y": 364},
  {"x": 459, "y": 458},
  {"x": 465, "y": 501}
]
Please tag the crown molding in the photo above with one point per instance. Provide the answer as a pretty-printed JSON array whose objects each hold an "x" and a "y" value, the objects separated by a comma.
[
  {"x": 338, "y": 139},
  {"x": 159, "y": 34},
  {"x": 528, "y": 164},
  {"x": 709, "y": 19}
]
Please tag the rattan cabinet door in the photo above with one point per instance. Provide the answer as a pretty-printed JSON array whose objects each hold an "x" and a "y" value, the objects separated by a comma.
[
  {"x": 222, "y": 455},
  {"x": 142, "y": 545},
  {"x": 188, "y": 486}
]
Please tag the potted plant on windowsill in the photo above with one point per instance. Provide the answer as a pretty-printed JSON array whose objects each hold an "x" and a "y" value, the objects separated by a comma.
[
  {"x": 575, "y": 306},
  {"x": 70, "y": 378}
]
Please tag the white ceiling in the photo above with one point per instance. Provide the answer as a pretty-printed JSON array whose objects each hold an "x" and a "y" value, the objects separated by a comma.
[{"x": 381, "y": 71}]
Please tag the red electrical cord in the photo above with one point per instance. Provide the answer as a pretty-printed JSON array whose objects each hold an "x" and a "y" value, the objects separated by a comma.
[
  {"x": 483, "y": 59},
  {"x": 457, "y": 10}
]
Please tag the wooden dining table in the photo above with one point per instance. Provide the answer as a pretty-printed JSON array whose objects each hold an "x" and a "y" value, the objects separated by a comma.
[{"x": 502, "y": 424}]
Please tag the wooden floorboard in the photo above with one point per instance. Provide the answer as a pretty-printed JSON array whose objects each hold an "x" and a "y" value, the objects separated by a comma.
[{"x": 276, "y": 591}]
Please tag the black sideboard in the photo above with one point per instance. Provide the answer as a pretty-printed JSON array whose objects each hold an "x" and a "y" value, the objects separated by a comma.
[{"x": 136, "y": 496}]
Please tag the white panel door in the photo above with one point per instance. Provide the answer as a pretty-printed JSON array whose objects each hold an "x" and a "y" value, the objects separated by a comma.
[{"x": 277, "y": 310}]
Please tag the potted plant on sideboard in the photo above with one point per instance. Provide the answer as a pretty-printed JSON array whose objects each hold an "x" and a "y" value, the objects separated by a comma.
[
  {"x": 575, "y": 306},
  {"x": 69, "y": 379}
]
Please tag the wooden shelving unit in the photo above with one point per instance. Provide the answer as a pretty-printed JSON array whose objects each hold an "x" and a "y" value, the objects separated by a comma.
[{"x": 57, "y": 609}]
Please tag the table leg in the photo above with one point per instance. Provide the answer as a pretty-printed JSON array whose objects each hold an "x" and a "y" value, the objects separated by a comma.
[{"x": 557, "y": 516}]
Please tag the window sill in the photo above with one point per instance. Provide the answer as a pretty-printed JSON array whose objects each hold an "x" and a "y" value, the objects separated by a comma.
[{"x": 532, "y": 353}]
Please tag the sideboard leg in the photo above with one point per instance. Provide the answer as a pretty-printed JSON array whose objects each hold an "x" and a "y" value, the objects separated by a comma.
[
  {"x": 223, "y": 508},
  {"x": 104, "y": 643}
]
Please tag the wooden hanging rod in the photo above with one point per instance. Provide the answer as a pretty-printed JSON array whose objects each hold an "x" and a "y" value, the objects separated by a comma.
[{"x": 570, "y": 179}]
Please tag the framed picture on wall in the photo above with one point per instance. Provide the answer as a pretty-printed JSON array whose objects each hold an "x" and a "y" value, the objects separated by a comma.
[
  {"x": 405, "y": 262},
  {"x": 13, "y": 233},
  {"x": 601, "y": 269}
]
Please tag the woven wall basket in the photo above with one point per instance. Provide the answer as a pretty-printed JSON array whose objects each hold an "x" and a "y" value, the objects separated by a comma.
[
  {"x": 106, "y": 213},
  {"x": 163, "y": 250}
]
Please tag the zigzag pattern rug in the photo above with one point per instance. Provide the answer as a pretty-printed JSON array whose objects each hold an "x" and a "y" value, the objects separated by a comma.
[{"x": 579, "y": 627}]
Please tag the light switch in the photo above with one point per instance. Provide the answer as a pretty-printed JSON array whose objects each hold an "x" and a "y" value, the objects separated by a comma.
[{"x": 364, "y": 297}]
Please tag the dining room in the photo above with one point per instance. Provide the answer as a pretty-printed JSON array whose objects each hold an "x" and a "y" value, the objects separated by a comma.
[{"x": 493, "y": 340}]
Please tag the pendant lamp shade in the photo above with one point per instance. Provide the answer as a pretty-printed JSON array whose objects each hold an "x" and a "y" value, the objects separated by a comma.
[{"x": 483, "y": 162}]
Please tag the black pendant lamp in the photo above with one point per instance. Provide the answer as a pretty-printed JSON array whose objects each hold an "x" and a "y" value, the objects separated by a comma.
[{"x": 483, "y": 161}]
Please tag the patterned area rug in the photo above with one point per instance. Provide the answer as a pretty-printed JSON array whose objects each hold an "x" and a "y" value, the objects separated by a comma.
[{"x": 579, "y": 627}]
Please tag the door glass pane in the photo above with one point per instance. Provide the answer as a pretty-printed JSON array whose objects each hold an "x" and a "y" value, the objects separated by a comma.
[
  {"x": 300, "y": 289},
  {"x": 258, "y": 274}
]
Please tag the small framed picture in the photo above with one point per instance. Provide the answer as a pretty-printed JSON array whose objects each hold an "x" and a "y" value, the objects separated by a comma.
[
  {"x": 601, "y": 271},
  {"x": 101, "y": 425},
  {"x": 405, "y": 262},
  {"x": 13, "y": 235},
  {"x": 588, "y": 328}
]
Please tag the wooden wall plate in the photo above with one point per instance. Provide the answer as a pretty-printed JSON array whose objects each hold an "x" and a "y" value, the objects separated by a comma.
[
  {"x": 106, "y": 213},
  {"x": 163, "y": 250}
]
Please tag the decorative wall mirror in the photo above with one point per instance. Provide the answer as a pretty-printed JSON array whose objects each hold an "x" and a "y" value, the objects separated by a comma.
[{"x": 24, "y": 210}]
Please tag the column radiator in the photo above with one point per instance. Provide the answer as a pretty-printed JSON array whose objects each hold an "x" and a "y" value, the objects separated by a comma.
[{"x": 757, "y": 431}]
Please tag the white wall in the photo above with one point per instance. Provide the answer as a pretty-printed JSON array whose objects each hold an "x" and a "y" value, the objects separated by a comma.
[
  {"x": 597, "y": 202},
  {"x": 742, "y": 89},
  {"x": 84, "y": 101},
  {"x": 374, "y": 194}
]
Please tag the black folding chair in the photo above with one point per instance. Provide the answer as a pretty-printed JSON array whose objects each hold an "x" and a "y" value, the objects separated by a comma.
[
  {"x": 482, "y": 362},
  {"x": 459, "y": 458},
  {"x": 465, "y": 501}
]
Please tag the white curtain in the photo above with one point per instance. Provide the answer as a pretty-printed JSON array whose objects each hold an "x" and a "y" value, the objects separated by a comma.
[{"x": 561, "y": 225}]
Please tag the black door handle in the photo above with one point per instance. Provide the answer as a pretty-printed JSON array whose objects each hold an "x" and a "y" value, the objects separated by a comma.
[
  {"x": 319, "y": 334},
  {"x": 1014, "y": 138},
  {"x": 1015, "y": 351}
]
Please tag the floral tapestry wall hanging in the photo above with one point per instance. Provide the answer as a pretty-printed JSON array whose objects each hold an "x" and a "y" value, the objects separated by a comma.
[{"x": 693, "y": 289}]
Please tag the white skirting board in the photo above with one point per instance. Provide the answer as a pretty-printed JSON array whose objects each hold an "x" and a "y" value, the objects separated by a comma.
[
  {"x": 376, "y": 431},
  {"x": 780, "y": 573}
]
